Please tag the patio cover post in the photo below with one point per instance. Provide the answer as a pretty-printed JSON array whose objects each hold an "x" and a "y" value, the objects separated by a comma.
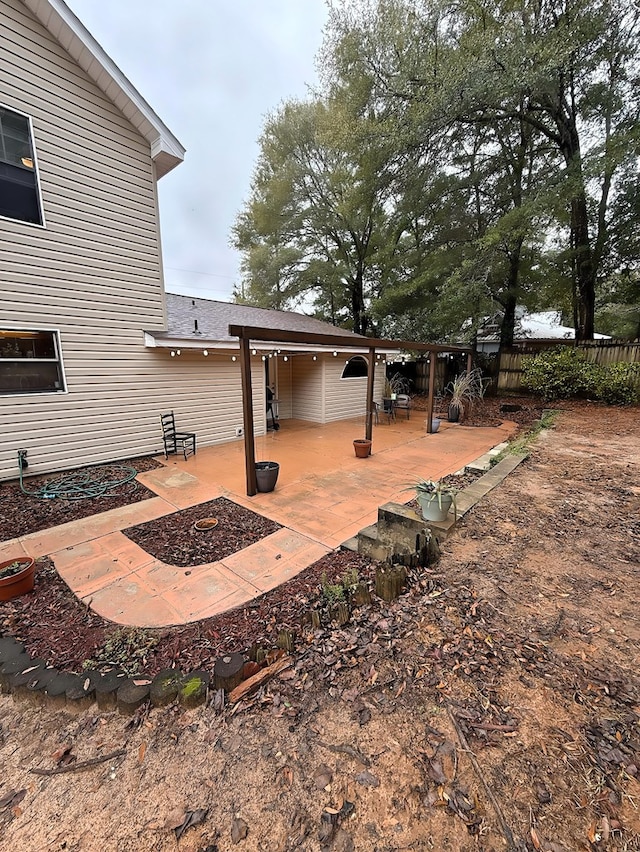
[
  {"x": 370, "y": 380},
  {"x": 432, "y": 384},
  {"x": 247, "y": 411},
  {"x": 469, "y": 362}
]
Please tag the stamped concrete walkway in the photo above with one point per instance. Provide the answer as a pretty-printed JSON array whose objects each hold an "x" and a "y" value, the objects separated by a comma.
[{"x": 324, "y": 496}]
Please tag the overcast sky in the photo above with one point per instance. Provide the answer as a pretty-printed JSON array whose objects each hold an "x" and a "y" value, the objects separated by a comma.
[{"x": 212, "y": 70}]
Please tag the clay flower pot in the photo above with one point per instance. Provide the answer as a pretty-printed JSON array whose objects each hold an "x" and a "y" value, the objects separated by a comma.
[
  {"x": 362, "y": 446},
  {"x": 16, "y": 577}
]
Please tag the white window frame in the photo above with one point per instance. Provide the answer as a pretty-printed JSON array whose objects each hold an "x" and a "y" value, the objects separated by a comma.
[
  {"x": 57, "y": 360},
  {"x": 358, "y": 357},
  {"x": 36, "y": 170}
]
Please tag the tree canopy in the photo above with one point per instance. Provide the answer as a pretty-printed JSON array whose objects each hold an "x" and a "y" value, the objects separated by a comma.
[{"x": 458, "y": 159}]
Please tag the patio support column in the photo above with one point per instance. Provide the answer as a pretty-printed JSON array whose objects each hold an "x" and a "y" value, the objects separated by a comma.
[
  {"x": 469, "y": 362},
  {"x": 432, "y": 385},
  {"x": 371, "y": 375},
  {"x": 247, "y": 413}
]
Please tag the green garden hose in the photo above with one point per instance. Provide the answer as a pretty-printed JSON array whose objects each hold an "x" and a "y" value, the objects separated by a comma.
[{"x": 87, "y": 484}]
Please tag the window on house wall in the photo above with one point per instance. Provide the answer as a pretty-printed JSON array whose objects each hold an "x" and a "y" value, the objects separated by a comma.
[
  {"x": 30, "y": 362},
  {"x": 355, "y": 368},
  {"x": 19, "y": 194}
]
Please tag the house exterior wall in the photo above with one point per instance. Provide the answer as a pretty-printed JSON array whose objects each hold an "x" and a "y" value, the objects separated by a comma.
[
  {"x": 92, "y": 272},
  {"x": 284, "y": 393},
  {"x": 205, "y": 393},
  {"x": 346, "y": 398},
  {"x": 308, "y": 388}
]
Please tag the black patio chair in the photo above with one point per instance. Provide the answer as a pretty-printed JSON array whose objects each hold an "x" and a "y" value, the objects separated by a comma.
[
  {"x": 389, "y": 409},
  {"x": 403, "y": 403},
  {"x": 174, "y": 439}
]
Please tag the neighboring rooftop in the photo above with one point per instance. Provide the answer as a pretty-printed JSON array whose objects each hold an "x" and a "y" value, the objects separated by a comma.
[{"x": 544, "y": 325}]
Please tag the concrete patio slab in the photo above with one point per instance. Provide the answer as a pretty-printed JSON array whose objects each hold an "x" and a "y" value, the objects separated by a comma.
[{"x": 323, "y": 497}]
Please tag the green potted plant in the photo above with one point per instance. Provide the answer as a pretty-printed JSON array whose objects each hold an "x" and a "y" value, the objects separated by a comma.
[
  {"x": 465, "y": 388},
  {"x": 16, "y": 577},
  {"x": 435, "y": 499}
]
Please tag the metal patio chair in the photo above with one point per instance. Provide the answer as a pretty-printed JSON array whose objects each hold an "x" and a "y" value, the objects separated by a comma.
[
  {"x": 403, "y": 403},
  {"x": 173, "y": 439}
]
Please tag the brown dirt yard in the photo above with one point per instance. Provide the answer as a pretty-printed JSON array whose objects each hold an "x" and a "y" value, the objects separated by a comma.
[{"x": 494, "y": 706}]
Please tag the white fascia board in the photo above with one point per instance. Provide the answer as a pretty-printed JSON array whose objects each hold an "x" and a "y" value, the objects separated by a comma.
[
  {"x": 262, "y": 347},
  {"x": 166, "y": 151},
  {"x": 152, "y": 342}
]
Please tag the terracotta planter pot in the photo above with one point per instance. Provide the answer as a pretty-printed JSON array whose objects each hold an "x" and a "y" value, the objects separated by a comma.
[
  {"x": 362, "y": 447},
  {"x": 19, "y": 583}
]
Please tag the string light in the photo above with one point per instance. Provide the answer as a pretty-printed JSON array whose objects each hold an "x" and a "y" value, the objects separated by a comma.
[
  {"x": 205, "y": 352},
  {"x": 335, "y": 354},
  {"x": 254, "y": 351},
  {"x": 264, "y": 357},
  {"x": 315, "y": 357},
  {"x": 286, "y": 357},
  {"x": 233, "y": 357},
  {"x": 173, "y": 354}
]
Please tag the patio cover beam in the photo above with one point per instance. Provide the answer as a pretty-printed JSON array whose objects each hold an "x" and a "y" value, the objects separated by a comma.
[
  {"x": 337, "y": 341},
  {"x": 248, "y": 333}
]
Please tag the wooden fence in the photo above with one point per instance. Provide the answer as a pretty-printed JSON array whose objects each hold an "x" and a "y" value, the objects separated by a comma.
[{"x": 599, "y": 351}]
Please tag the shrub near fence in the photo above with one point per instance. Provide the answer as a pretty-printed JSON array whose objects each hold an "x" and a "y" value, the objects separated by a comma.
[
  {"x": 566, "y": 372},
  {"x": 604, "y": 353}
]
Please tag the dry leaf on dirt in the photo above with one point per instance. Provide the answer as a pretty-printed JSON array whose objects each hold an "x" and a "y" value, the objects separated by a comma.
[
  {"x": 63, "y": 756},
  {"x": 191, "y": 818}
]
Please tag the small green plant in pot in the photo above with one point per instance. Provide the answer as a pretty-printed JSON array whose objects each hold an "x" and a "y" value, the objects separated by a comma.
[
  {"x": 435, "y": 499},
  {"x": 16, "y": 577}
]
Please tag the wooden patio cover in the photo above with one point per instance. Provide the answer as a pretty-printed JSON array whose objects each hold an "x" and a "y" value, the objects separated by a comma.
[{"x": 248, "y": 334}]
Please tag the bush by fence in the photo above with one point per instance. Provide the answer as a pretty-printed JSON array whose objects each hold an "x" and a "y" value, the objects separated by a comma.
[{"x": 566, "y": 372}]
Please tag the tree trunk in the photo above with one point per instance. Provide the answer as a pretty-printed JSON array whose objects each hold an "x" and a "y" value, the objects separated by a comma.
[
  {"x": 360, "y": 320},
  {"x": 510, "y": 299},
  {"x": 585, "y": 272}
]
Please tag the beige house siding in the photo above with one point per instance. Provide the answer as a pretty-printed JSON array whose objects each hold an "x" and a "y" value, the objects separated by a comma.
[
  {"x": 284, "y": 389},
  {"x": 346, "y": 398},
  {"x": 93, "y": 272},
  {"x": 308, "y": 388}
]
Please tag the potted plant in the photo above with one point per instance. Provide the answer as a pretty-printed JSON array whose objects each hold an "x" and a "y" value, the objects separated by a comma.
[
  {"x": 267, "y": 475},
  {"x": 435, "y": 424},
  {"x": 467, "y": 387},
  {"x": 435, "y": 499},
  {"x": 16, "y": 577},
  {"x": 362, "y": 447},
  {"x": 394, "y": 385}
]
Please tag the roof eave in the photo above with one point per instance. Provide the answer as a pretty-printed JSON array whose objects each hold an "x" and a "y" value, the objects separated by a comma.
[
  {"x": 263, "y": 347},
  {"x": 73, "y": 36}
]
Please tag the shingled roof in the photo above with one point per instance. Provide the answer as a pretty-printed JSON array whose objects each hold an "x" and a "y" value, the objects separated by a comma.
[{"x": 206, "y": 321}]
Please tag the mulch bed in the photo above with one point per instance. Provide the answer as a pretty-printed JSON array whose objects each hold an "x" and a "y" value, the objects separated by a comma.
[
  {"x": 21, "y": 514},
  {"x": 56, "y": 626},
  {"x": 490, "y": 411},
  {"x": 174, "y": 540}
]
